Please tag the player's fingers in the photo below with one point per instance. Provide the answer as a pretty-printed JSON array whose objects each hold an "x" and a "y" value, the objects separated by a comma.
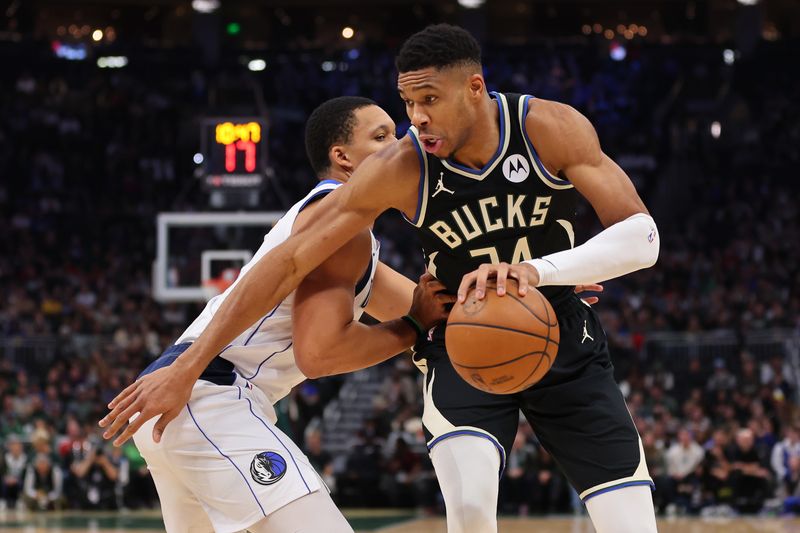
[
  {"x": 124, "y": 394},
  {"x": 161, "y": 424},
  {"x": 122, "y": 419},
  {"x": 480, "y": 281},
  {"x": 591, "y": 300},
  {"x": 501, "y": 276},
  {"x": 466, "y": 282},
  {"x": 133, "y": 425},
  {"x": 121, "y": 406},
  {"x": 523, "y": 282}
]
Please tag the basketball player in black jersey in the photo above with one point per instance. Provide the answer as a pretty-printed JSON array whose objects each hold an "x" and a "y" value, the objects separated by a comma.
[{"x": 490, "y": 182}]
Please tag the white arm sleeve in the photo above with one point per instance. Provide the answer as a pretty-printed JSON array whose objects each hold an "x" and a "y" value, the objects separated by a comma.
[{"x": 625, "y": 247}]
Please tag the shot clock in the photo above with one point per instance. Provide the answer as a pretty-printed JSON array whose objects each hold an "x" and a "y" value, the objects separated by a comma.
[{"x": 233, "y": 152}]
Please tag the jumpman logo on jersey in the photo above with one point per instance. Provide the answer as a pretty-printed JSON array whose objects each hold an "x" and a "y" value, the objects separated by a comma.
[
  {"x": 440, "y": 186},
  {"x": 586, "y": 334}
]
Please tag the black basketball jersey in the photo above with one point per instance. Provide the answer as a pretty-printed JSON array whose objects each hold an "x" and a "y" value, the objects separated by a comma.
[{"x": 511, "y": 210}]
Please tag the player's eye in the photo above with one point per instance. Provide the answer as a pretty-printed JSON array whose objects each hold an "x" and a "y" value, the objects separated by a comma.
[
  {"x": 409, "y": 103},
  {"x": 380, "y": 137},
  {"x": 430, "y": 99}
]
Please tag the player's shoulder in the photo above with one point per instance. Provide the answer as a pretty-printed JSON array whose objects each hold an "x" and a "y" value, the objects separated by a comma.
[
  {"x": 562, "y": 134},
  {"x": 549, "y": 116}
]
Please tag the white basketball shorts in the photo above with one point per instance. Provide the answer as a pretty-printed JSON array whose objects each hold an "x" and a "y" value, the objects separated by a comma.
[{"x": 222, "y": 463}]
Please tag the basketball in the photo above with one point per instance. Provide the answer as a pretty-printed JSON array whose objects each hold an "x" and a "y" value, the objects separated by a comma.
[{"x": 502, "y": 344}]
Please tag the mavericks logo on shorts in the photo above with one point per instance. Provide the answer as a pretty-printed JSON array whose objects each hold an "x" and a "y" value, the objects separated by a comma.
[{"x": 267, "y": 468}]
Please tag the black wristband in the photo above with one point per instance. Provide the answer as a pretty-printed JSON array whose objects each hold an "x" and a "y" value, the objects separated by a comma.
[{"x": 414, "y": 324}]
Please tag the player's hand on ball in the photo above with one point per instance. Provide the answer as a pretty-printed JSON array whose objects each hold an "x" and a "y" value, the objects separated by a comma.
[
  {"x": 163, "y": 392},
  {"x": 592, "y": 287},
  {"x": 430, "y": 304},
  {"x": 525, "y": 274}
]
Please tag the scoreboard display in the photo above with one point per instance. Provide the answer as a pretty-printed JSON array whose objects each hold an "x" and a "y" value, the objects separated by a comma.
[{"x": 233, "y": 152}]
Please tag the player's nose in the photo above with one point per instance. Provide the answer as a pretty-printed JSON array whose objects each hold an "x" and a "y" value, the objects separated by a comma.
[{"x": 419, "y": 118}]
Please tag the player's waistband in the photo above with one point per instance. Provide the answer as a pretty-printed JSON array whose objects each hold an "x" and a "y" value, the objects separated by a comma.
[{"x": 219, "y": 371}]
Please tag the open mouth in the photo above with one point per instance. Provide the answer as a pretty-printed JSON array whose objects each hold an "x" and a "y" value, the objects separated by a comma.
[{"x": 431, "y": 144}]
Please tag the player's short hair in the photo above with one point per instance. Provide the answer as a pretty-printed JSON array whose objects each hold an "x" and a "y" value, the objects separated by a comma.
[
  {"x": 329, "y": 124},
  {"x": 439, "y": 46}
]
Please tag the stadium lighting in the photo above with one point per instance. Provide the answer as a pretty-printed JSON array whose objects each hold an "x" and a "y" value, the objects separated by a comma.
[
  {"x": 728, "y": 56},
  {"x": 198, "y": 158},
  {"x": 716, "y": 129},
  {"x": 205, "y": 6},
  {"x": 112, "y": 61},
  {"x": 328, "y": 66},
  {"x": 617, "y": 52},
  {"x": 471, "y": 4},
  {"x": 257, "y": 65},
  {"x": 748, "y": 2},
  {"x": 348, "y": 32},
  {"x": 97, "y": 35}
]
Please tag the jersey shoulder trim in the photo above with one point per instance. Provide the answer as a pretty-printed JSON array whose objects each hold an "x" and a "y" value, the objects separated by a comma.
[
  {"x": 422, "y": 197},
  {"x": 547, "y": 178},
  {"x": 502, "y": 146},
  {"x": 318, "y": 192}
]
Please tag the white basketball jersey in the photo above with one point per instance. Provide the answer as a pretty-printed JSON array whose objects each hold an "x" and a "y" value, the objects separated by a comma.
[{"x": 263, "y": 353}]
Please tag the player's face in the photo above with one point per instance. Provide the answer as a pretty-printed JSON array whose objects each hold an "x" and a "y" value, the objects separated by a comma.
[
  {"x": 373, "y": 130},
  {"x": 442, "y": 104}
]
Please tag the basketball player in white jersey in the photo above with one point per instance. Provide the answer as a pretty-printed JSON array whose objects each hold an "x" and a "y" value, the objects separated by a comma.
[{"x": 223, "y": 465}]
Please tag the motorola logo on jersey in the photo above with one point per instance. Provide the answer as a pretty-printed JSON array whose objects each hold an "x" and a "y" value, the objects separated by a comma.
[
  {"x": 516, "y": 168},
  {"x": 267, "y": 468}
]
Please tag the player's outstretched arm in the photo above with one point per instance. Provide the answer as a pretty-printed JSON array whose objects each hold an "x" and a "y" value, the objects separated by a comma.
[
  {"x": 386, "y": 179},
  {"x": 568, "y": 144}
]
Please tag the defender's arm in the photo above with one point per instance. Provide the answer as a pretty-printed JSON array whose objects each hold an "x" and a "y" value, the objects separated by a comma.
[
  {"x": 327, "y": 340},
  {"x": 392, "y": 294}
]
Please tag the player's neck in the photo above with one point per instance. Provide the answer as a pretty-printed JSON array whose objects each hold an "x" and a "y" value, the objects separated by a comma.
[
  {"x": 483, "y": 140},
  {"x": 335, "y": 174}
]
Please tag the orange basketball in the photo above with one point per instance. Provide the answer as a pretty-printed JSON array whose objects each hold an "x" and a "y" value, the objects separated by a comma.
[{"x": 502, "y": 344}]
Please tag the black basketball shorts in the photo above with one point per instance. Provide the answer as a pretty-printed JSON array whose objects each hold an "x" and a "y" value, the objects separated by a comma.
[{"x": 577, "y": 411}]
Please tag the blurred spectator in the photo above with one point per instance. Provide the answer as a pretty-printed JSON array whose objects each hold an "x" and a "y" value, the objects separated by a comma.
[
  {"x": 750, "y": 476},
  {"x": 96, "y": 477},
  {"x": 43, "y": 484},
  {"x": 782, "y": 454},
  {"x": 516, "y": 485},
  {"x": 319, "y": 458},
  {"x": 683, "y": 459},
  {"x": 14, "y": 462}
]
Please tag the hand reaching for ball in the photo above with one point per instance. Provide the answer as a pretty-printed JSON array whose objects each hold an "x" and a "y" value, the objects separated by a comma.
[{"x": 526, "y": 275}]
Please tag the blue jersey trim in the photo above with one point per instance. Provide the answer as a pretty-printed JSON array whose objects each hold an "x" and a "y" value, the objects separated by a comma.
[
  {"x": 460, "y": 432},
  {"x": 219, "y": 371},
  {"x": 282, "y": 444},
  {"x": 228, "y": 458},
  {"x": 270, "y": 356},
  {"x": 536, "y": 161},
  {"x": 421, "y": 186},
  {"x": 317, "y": 193},
  {"x": 499, "y": 146},
  {"x": 621, "y": 486},
  {"x": 262, "y": 322}
]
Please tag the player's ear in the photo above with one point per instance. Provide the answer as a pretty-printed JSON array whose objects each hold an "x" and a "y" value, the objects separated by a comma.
[
  {"x": 477, "y": 86},
  {"x": 339, "y": 158}
]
